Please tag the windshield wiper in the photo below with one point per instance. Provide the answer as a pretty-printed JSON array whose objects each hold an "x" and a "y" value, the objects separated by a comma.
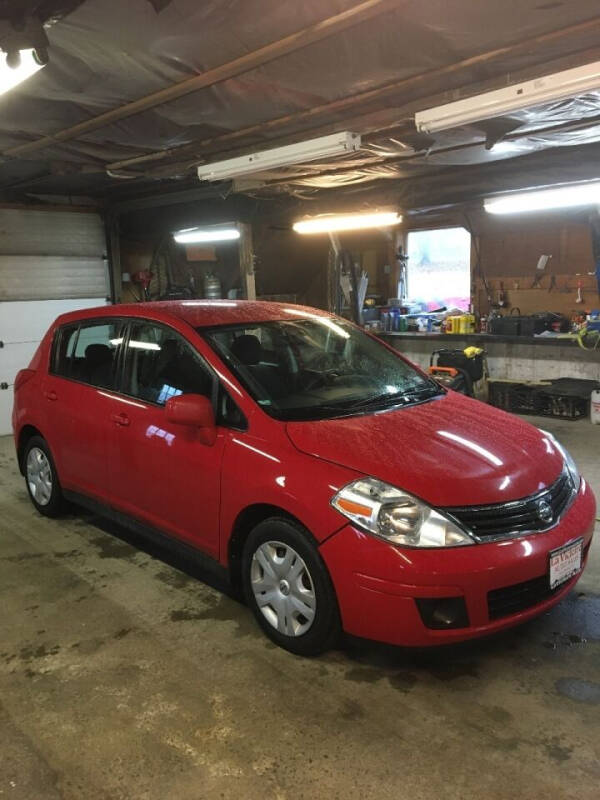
[
  {"x": 314, "y": 412},
  {"x": 431, "y": 389},
  {"x": 388, "y": 400},
  {"x": 376, "y": 399},
  {"x": 404, "y": 397}
]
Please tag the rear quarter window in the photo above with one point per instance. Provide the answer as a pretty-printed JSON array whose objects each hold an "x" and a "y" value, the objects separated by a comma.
[{"x": 65, "y": 341}]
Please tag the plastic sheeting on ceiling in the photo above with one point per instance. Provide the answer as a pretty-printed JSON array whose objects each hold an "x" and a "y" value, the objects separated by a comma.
[
  {"x": 108, "y": 52},
  {"x": 566, "y": 124}
]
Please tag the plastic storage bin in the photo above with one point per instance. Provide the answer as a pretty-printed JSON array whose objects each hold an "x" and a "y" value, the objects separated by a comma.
[{"x": 595, "y": 407}]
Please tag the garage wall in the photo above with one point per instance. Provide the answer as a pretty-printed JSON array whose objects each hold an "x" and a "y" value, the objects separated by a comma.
[
  {"x": 510, "y": 248},
  {"x": 291, "y": 265},
  {"x": 51, "y": 261}
]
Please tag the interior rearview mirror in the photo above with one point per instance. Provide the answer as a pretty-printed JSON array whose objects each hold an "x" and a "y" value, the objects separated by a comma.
[{"x": 195, "y": 411}]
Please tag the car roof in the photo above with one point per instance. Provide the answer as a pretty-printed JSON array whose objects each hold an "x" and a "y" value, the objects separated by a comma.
[{"x": 199, "y": 313}]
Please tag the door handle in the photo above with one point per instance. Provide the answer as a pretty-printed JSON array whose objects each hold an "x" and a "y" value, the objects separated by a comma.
[
  {"x": 120, "y": 419},
  {"x": 51, "y": 395}
]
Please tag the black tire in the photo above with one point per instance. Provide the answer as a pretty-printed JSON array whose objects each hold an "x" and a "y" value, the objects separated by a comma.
[
  {"x": 54, "y": 505},
  {"x": 325, "y": 627}
]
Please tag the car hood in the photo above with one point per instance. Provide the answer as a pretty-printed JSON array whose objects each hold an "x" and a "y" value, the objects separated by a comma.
[{"x": 450, "y": 451}]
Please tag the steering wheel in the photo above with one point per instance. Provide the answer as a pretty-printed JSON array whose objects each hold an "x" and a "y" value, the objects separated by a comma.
[
  {"x": 321, "y": 371},
  {"x": 322, "y": 362}
]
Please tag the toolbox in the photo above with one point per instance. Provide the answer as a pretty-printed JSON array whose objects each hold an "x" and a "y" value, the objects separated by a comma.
[{"x": 517, "y": 325}]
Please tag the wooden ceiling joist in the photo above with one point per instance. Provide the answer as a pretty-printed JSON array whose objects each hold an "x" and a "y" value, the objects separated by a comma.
[{"x": 289, "y": 44}]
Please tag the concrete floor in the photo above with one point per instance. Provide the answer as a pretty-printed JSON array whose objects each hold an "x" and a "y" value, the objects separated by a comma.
[{"x": 122, "y": 676}]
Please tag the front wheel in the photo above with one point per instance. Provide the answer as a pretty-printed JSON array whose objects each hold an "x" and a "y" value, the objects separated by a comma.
[
  {"x": 289, "y": 589},
  {"x": 41, "y": 478}
]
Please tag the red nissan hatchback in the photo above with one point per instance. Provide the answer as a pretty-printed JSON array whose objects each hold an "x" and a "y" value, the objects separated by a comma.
[{"x": 336, "y": 484}]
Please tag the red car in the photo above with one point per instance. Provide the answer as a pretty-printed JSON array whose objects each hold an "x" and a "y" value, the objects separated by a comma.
[{"x": 329, "y": 479}]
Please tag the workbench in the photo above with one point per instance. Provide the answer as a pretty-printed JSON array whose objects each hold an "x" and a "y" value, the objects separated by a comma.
[{"x": 515, "y": 358}]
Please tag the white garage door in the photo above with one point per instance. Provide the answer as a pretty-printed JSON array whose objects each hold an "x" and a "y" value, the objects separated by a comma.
[{"x": 50, "y": 262}]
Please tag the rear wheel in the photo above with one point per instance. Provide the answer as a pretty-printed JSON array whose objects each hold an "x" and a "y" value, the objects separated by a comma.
[
  {"x": 41, "y": 478},
  {"x": 289, "y": 589}
]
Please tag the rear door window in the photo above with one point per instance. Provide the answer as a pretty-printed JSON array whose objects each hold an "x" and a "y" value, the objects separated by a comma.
[{"x": 88, "y": 352}]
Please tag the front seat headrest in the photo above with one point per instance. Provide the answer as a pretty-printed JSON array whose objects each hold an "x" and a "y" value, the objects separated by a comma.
[
  {"x": 96, "y": 354},
  {"x": 247, "y": 349},
  {"x": 168, "y": 348}
]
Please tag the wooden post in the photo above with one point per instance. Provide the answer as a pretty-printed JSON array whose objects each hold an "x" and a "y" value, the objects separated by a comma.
[
  {"x": 398, "y": 242},
  {"x": 113, "y": 248},
  {"x": 247, "y": 261}
]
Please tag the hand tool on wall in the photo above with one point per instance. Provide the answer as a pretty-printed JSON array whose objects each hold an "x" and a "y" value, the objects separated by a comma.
[
  {"x": 579, "y": 297},
  {"x": 540, "y": 270},
  {"x": 501, "y": 296}
]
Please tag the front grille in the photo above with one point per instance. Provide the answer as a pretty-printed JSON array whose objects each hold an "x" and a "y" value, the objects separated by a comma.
[
  {"x": 502, "y": 520},
  {"x": 520, "y": 596},
  {"x": 512, "y": 599}
]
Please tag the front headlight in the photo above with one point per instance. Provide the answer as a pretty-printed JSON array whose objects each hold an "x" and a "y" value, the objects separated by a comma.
[
  {"x": 572, "y": 468},
  {"x": 570, "y": 464},
  {"x": 397, "y": 516}
]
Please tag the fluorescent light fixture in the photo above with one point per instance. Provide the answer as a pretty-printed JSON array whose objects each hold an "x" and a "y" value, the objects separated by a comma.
[
  {"x": 311, "y": 150},
  {"x": 557, "y": 86},
  {"x": 9, "y": 78},
  {"x": 200, "y": 235},
  {"x": 568, "y": 196},
  {"x": 331, "y": 223}
]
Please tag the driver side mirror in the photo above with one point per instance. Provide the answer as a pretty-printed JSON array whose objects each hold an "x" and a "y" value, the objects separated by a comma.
[{"x": 194, "y": 411}]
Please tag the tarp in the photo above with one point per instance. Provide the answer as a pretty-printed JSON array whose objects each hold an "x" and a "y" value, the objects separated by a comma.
[{"x": 108, "y": 52}]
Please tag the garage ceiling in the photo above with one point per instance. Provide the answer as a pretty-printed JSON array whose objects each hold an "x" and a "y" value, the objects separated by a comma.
[{"x": 137, "y": 94}]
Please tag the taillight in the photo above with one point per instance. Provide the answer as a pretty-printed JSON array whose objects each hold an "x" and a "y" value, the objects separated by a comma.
[{"x": 23, "y": 376}]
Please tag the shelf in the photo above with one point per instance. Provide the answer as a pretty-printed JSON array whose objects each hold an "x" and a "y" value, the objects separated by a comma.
[{"x": 452, "y": 339}]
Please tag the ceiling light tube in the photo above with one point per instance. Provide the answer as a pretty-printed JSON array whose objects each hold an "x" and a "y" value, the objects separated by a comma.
[
  {"x": 567, "y": 196},
  {"x": 311, "y": 150},
  {"x": 9, "y": 78},
  {"x": 548, "y": 88},
  {"x": 201, "y": 235},
  {"x": 332, "y": 223}
]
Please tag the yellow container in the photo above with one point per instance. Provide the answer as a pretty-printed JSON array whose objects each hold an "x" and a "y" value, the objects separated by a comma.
[
  {"x": 466, "y": 323},
  {"x": 460, "y": 323},
  {"x": 452, "y": 324}
]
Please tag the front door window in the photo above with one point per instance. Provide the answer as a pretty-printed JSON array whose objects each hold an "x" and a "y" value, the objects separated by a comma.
[{"x": 160, "y": 364}]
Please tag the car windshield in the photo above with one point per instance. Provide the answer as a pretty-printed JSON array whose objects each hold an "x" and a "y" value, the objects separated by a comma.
[{"x": 317, "y": 367}]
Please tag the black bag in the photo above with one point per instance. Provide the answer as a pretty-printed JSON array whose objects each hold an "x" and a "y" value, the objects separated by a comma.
[{"x": 514, "y": 325}]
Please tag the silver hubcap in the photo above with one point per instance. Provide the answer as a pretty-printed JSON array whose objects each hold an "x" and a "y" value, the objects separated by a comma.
[
  {"x": 283, "y": 588},
  {"x": 39, "y": 476}
]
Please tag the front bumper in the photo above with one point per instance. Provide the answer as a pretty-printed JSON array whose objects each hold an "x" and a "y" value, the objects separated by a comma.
[{"x": 377, "y": 583}]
